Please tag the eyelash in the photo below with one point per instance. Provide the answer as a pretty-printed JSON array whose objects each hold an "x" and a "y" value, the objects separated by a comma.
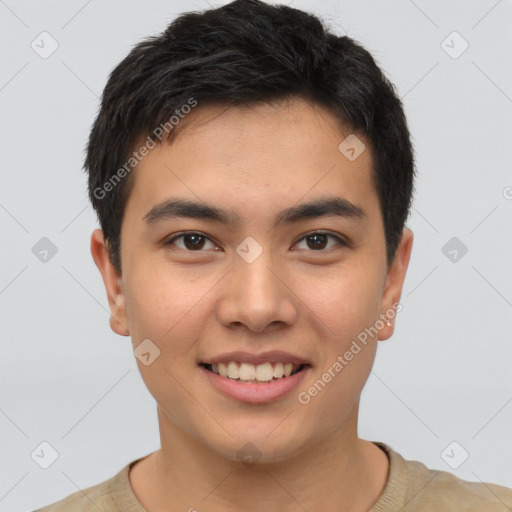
[{"x": 340, "y": 241}]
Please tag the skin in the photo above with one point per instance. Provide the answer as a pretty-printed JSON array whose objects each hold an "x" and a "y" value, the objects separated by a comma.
[{"x": 194, "y": 303}]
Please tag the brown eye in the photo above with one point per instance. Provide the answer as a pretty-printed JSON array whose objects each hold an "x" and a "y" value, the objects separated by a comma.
[
  {"x": 190, "y": 241},
  {"x": 318, "y": 241}
]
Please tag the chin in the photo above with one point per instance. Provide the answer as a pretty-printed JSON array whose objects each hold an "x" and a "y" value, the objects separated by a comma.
[{"x": 258, "y": 445}]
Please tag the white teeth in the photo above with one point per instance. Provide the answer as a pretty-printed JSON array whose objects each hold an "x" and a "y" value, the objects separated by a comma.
[
  {"x": 264, "y": 372},
  {"x": 223, "y": 371},
  {"x": 254, "y": 373},
  {"x": 233, "y": 370},
  {"x": 278, "y": 370},
  {"x": 246, "y": 372}
]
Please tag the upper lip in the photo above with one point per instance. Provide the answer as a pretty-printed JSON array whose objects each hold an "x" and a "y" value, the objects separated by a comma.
[{"x": 272, "y": 356}]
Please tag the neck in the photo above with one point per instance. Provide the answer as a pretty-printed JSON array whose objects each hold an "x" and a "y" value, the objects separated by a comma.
[{"x": 339, "y": 473}]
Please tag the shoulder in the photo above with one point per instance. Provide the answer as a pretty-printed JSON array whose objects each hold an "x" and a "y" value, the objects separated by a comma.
[
  {"x": 90, "y": 499},
  {"x": 426, "y": 489},
  {"x": 444, "y": 489},
  {"x": 111, "y": 495}
]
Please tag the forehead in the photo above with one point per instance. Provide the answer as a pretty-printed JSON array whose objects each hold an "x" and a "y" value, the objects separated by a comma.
[{"x": 258, "y": 158}]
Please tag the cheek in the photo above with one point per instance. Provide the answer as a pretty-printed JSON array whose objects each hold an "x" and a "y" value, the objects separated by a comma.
[
  {"x": 346, "y": 301},
  {"x": 346, "y": 356},
  {"x": 165, "y": 309},
  {"x": 169, "y": 312}
]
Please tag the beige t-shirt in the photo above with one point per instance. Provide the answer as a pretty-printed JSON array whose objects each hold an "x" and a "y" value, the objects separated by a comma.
[{"x": 411, "y": 487}]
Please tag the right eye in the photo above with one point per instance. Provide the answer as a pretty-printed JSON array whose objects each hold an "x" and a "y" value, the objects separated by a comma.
[{"x": 191, "y": 241}]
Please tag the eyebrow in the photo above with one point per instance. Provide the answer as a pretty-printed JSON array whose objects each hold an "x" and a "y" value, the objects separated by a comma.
[{"x": 323, "y": 207}]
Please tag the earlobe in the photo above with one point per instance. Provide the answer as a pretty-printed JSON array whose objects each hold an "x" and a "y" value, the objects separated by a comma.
[
  {"x": 394, "y": 284},
  {"x": 113, "y": 284},
  {"x": 118, "y": 327}
]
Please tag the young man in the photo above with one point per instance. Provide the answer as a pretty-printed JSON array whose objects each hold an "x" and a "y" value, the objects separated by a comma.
[{"x": 252, "y": 174}]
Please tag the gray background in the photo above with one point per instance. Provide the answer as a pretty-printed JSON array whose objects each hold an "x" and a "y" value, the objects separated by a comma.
[{"x": 67, "y": 379}]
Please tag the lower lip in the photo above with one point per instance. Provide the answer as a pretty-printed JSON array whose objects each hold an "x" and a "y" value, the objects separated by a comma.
[{"x": 253, "y": 392}]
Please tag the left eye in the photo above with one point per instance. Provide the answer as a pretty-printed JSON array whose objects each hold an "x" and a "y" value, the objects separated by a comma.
[
  {"x": 319, "y": 240},
  {"x": 192, "y": 241},
  {"x": 196, "y": 241}
]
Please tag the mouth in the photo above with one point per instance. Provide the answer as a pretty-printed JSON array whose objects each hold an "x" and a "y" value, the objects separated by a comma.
[
  {"x": 256, "y": 374},
  {"x": 254, "y": 383},
  {"x": 255, "y": 378}
]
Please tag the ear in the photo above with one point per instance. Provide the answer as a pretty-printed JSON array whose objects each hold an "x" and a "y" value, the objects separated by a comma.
[
  {"x": 394, "y": 283},
  {"x": 113, "y": 284}
]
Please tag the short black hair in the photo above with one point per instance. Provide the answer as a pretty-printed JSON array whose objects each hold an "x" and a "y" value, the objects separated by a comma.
[{"x": 241, "y": 54}]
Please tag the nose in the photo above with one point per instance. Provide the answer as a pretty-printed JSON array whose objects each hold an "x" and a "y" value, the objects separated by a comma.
[{"x": 257, "y": 295}]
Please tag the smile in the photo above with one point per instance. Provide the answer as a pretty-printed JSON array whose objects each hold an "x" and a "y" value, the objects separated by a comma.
[
  {"x": 256, "y": 384},
  {"x": 251, "y": 373}
]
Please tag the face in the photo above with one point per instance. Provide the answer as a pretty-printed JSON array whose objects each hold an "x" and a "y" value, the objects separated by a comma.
[{"x": 257, "y": 275}]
